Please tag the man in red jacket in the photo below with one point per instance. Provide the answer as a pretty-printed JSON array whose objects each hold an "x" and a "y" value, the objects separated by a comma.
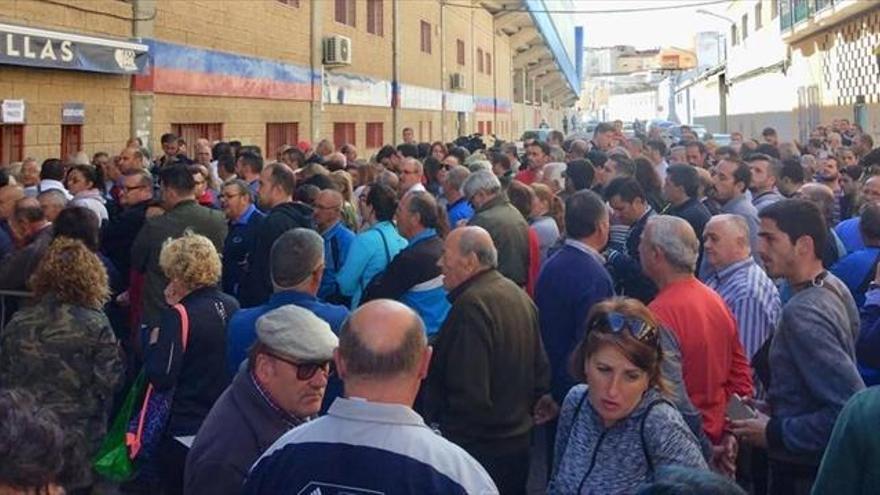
[{"x": 713, "y": 362}]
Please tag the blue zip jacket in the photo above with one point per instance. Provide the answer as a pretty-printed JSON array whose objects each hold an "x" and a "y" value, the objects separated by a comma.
[
  {"x": 414, "y": 279},
  {"x": 369, "y": 255},
  {"x": 337, "y": 241}
]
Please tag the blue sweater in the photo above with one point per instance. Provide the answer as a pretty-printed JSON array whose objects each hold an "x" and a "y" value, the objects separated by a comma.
[
  {"x": 368, "y": 257},
  {"x": 242, "y": 330},
  {"x": 854, "y": 269},
  {"x": 571, "y": 282}
]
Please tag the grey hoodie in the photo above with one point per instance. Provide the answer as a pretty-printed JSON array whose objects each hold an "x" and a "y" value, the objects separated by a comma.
[{"x": 591, "y": 458}]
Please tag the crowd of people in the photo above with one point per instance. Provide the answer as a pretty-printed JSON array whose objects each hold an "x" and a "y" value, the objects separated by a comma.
[{"x": 684, "y": 318}]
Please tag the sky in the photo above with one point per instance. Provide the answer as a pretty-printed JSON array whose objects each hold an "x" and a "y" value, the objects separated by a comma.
[{"x": 659, "y": 28}]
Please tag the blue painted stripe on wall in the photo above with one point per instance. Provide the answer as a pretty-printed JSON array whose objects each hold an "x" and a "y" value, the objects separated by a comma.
[{"x": 181, "y": 57}]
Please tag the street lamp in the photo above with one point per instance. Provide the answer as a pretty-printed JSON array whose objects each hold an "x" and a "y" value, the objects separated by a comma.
[{"x": 713, "y": 14}]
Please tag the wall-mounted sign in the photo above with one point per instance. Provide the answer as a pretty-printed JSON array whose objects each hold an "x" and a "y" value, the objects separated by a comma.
[
  {"x": 12, "y": 112},
  {"x": 20, "y": 45},
  {"x": 73, "y": 113}
]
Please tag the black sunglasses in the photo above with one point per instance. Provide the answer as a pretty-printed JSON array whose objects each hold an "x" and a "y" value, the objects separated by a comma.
[
  {"x": 615, "y": 322},
  {"x": 305, "y": 371}
]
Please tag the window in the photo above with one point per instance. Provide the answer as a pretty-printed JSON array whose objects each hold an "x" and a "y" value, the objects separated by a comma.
[
  {"x": 71, "y": 140},
  {"x": 192, "y": 132},
  {"x": 375, "y": 17},
  {"x": 734, "y": 40},
  {"x": 488, "y": 63},
  {"x": 481, "y": 128},
  {"x": 758, "y": 21},
  {"x": 375, "y": 135},
  {"x": 774, "y": 9},
  {"x": 745, "y": 26},
  {"x": 426, "y": 37},
  {"x": 459, "y": 52},
  {"x": 280, "y": 134},
  {"x": 292, "y": 3},
  {"x": 345, "y": 12},
  {"x": 479, "y": 60},
  {"x": 11, "y": 143},
  {"x": 343, "y": 133}
]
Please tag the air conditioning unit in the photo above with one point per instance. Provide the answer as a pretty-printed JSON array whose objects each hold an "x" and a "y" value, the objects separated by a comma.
[
  {"x": 337, "y": 50},
  {"x": 456, "y": 81}
]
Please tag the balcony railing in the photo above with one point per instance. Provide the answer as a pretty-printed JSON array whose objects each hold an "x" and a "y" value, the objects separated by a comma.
[{"x": 791, "y": 12}]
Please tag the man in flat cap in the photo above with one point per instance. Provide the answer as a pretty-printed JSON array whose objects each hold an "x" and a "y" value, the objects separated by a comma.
[
  {"x": 371, "y": 440},
  {"x": 282, "y": 387}
]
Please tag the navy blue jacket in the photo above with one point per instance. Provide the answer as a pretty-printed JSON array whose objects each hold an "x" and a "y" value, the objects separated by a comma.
[
  {"x": 239, "y": 243},
  {"x": 570, "y": 283}
]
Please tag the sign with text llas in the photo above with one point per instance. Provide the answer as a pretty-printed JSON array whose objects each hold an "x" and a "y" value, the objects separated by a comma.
[{"x": 49, "y": 49}]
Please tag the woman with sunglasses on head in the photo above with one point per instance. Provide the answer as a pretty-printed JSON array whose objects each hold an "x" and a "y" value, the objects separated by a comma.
[{"x": 619, "y": 428}]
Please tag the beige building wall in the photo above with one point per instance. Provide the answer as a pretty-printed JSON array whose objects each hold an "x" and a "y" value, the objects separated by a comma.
[{"x": 105, "y": 96}]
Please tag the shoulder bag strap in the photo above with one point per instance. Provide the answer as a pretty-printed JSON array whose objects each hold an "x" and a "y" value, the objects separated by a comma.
[
  {"x": 869, "y": 277},
  {"x": 184, "y": 324},
  {"x": 384, "y": 244},
  {"x": 642, "y": 432}
]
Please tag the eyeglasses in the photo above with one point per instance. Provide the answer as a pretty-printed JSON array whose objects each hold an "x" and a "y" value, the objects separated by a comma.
[
  {"x": 306, "y": 371},
  {"x": 128, "y": 189},
  {"x": 615, "y": 322}
]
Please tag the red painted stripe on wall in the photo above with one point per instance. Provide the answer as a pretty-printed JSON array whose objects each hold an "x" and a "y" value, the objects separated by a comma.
[{"x": 174, "y": 81}]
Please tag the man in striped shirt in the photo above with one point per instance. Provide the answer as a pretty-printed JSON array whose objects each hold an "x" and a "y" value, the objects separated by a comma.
[{"x": 745, "y": 288}]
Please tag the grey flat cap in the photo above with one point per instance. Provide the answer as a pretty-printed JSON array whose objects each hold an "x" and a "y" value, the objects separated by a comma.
[{"x": 296, "y": 332}]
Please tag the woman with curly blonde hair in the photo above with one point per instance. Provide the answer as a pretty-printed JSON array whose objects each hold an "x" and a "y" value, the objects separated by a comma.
[
  {"x": 63, "y": 351},
  {"x": 187, "y": 352}
]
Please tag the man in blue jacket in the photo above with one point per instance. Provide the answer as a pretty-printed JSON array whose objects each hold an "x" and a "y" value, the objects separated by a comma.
[
  {"x": 297, "y": 263},
  {"x": 244, "y": 217},
  {"x": 413, "y": 276},
  {"x": 337, "y": 240}
]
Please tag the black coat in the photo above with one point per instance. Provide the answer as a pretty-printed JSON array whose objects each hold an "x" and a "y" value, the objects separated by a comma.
[
  {"x": 256, "y": 284},
  {"x": 198, "y": 375},
  {"x": 118, "y": 237}
]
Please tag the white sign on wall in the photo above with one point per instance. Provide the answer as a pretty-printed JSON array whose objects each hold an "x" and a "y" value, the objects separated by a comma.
[{"x": 12, "y": 112}]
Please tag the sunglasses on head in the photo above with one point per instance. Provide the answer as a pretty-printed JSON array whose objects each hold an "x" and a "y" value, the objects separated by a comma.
[
  {"x": 615, "y": 322},
  {"x": 306, "y": 371}
]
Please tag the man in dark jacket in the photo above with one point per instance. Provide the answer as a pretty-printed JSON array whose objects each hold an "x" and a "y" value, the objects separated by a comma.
[
  {"x": 629, "y": 202},
  {"x": 33, "y": 233},
  {"x": 182, "y": 213},
  {"x": 682, "y": 189},
  {"x": 489, "y": 375},
  {"x": 413, "y": 276},
  {"x": 119, "y": 235},
  {"x": 508, "y": 228},
  {"x": 244, "y": 220},
  {"x": 271, "y": 396},
  {"x": 277, "y": 184}
]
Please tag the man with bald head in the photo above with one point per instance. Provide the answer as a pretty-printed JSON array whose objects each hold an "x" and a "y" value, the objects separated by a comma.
[
  {"x": 746, "y": 289},
  {"x": 337, "y": 240},
  {"x": 823, "y": 197},
  {"x": 371, "y": 440},
  {"x": 489, "y": 365},
  {"x": 578, "y": 150}
]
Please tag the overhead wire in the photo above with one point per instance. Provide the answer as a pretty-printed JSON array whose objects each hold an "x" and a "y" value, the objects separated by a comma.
[{"x": 580, "y": 11}]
